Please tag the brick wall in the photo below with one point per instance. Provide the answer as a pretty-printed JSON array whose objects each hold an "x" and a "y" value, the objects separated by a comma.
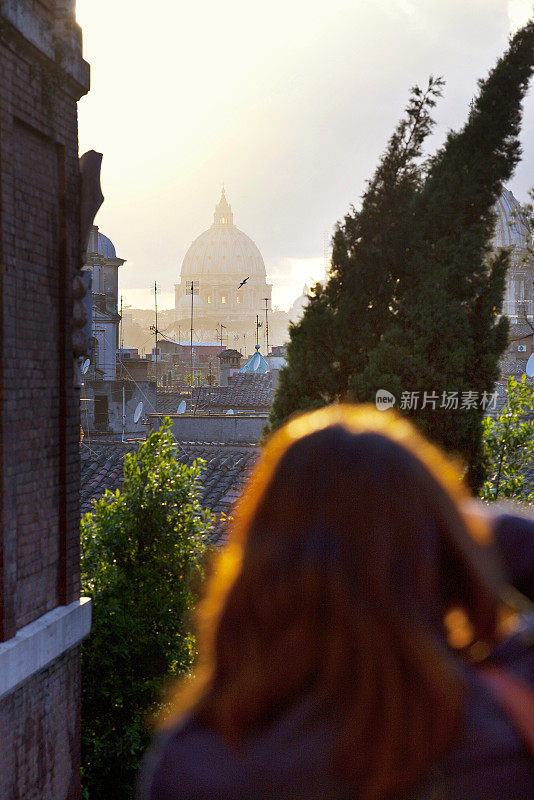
[
  {"x": 40, "y": 69},
  {"x": 40, "y": 253},
  {"x": 40, "y": 733}
]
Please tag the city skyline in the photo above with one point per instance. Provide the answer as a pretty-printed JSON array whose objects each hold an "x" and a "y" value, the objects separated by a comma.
[{"x": 290, "y": 108}]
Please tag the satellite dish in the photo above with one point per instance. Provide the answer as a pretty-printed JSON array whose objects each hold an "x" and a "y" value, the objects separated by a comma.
[
  {"x": 230, "y": 411},
  {"x": 181, "y": 407},
  {"x": 85, "y": 366},
  {"x": 530, "y": 366},
  {"x": 138, "y": 411}
]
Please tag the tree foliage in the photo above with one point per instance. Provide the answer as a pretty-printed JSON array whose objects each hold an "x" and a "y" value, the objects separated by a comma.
[
  {"x": 509, "y": 442},
  {"x": 141, "y": 556},
  {"x": 414, "y": 294}
]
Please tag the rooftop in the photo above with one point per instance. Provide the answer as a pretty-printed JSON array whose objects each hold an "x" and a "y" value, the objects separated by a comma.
[
  {"x": 253, "y": 392},
  {"x": 227, "y": 469}
]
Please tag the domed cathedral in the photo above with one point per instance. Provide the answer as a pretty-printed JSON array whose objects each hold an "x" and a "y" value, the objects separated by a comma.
[
  {"x": 230, "y": 282},
  {"x": 512, "y": 231}
]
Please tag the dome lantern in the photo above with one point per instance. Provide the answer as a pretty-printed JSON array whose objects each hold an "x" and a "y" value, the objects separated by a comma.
[{"x": 223, "y": 212}]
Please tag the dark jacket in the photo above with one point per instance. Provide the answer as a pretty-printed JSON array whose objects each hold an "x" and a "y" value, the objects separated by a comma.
[{"x": 291, "y": 758}]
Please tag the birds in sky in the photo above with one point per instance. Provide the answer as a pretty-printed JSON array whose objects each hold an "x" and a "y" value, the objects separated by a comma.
[{"x": 243, "y": 282}]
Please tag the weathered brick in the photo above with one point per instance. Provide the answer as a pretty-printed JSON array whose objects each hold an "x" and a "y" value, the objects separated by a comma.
[{"x": 39, "y": 419}]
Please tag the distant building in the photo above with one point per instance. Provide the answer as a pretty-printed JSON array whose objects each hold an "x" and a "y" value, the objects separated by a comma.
[
  {"x": 230, "y": 363},
  {"x": 512, "y": 232},
  {"x": 174, "y": 360},
  {"x": 115, "y": 383},
  {"x": 218, "y": 261},
  {"x": 101, "y": 260},
  {"x": 299, "y": 305}
]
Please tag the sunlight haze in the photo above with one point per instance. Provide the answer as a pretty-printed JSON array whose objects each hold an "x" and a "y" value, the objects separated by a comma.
[{"x": 289, "y": 104}]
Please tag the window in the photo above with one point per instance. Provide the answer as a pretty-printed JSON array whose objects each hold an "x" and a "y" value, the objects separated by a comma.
[
  {"x": 223, "y": 299},
  {"x": 101, "y": 412},
  {"x": 209, "y": 298},
  {"x": 237, "y": 299},
  {"x": 522, "y": 348}
]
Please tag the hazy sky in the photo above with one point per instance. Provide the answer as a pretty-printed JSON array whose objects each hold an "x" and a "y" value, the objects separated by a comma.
[{"x": 290, "y": 103}]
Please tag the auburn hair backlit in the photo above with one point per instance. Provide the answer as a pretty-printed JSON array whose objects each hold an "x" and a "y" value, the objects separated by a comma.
[{"x": 348, "y": 549}]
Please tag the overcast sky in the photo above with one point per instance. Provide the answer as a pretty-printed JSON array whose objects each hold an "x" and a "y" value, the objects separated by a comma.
[{"x": 290, "y": 103}]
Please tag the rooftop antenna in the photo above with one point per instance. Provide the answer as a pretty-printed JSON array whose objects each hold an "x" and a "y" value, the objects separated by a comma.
[
  {"x": 194, "y": 291},
  {"x": 121, "y": 340},
  {"x": 221, "y": 335},
  {"x": 258, "y": 326},
  {"x": 154, "y": 328},
  {"x": 266, "y": 300}
]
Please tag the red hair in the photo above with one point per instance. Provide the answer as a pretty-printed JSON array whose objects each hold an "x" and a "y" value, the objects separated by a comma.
[{"x": 347, "y": 550}]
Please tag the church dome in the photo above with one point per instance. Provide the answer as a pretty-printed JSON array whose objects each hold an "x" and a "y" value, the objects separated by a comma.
[
  {"x": 510, "y": 228},
  {"x": 100, "y": 245},
  {"x": 106, "y": 247},
  {"x": 223, "y": 250},
  {"x": 297, "y": 309}
]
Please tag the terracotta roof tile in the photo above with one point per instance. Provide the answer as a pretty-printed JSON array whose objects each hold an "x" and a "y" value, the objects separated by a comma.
[{"x": 224, "y": 476}]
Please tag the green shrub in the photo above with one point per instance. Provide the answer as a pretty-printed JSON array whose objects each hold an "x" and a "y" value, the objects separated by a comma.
[
  {"x": 509, "y": 445},
  {"x": 142, "y": 553}
]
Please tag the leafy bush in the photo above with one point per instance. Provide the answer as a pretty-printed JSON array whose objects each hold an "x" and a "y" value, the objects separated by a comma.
[
  {"x": 142, "y": 553},
  {"x": 509, "y": 444}
]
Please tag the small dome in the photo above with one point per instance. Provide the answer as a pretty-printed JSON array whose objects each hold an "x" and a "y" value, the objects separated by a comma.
[
  {"x": 256, "y": 365},
  {"x": 297, "y": 309},
  {"x": 106, "y": 248},
  {"x": 100, "y": 245},
  {"x": 510, "y": 228},
  {"x": 223, "y": 250}
]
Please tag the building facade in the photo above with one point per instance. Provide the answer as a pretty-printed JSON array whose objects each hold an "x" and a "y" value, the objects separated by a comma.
[
  {"x": 102, "y": 262},
  {"x": 42, "y": 619},
  {"x": 114, "y": 386},
  {"x": 512, "y": 232}
]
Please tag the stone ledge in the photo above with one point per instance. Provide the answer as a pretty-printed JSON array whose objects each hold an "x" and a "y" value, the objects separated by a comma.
[
  {"x": 41, "y": 642},
  {"x": 47, "y": 40}
]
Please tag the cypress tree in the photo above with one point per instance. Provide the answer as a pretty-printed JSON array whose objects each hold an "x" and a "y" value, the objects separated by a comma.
[
  {"x": 326, "y": 347},
  {"x": 415, "y": 287}
]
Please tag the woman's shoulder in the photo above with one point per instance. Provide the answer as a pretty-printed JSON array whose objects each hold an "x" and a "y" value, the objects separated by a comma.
[
  {"x": 286, "y": 759},
  {"x": 491, "y": 759},
  {"x": 166, "y": 764}
]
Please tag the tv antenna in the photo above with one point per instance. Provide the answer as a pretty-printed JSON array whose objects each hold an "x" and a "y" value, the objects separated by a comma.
[{"x": 266, "y": 300}]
